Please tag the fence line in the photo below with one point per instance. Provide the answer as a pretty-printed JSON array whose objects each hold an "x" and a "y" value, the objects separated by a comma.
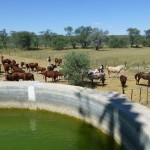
[{"x": 140, "y": 94}]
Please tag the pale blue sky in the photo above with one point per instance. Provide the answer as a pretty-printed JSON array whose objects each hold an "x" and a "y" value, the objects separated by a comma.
[{"x": 38, "y": 15}]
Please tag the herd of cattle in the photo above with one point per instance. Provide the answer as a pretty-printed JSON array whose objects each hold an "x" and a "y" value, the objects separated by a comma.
[{"x": 15, "y": 71}]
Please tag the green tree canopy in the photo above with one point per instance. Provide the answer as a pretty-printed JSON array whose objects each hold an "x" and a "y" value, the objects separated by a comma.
[
  {"x": 97, "y": 37},
  {"x": 147, "y": 36},
  {"x": 118, "y": 41},
  {"x": 134, "y": 36},
  {"x": 82, "y": 33},
  {"x": 47, "y": 36},
  {"x": 24, "y": 38},
  {"x": 59, "y": 42},
  {"x": 3, "y": 37},
  {"x": 73, "y": 40}
]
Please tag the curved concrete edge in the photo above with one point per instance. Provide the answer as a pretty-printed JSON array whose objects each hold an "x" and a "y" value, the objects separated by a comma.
[{"x": 109, "y": 111}]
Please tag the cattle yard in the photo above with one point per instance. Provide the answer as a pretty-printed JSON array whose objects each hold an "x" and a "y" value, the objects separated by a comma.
[{"x": 136, "y": 60}]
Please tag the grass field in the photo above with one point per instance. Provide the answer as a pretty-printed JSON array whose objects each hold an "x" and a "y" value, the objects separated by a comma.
[{"x": 137, "y": 59}]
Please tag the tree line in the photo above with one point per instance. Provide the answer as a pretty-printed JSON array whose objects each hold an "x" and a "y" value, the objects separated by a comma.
[{"x": 83, "y": 36}]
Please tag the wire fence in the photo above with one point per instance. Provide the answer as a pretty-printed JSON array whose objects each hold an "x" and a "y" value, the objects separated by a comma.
[{"x": 140, "y": 94}]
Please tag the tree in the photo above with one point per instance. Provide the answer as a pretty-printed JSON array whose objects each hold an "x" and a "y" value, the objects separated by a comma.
[
  {"x": 118, "y": 41},
  {"x": 3, "y": 37},
  {"x": 47, "y": 36},
  {"x": 72, "y": 38},
  {"x": 97, "y": 37},
  {"x": 14, "y": 38},
  {"x": 82, "y": 33},
  {"x": 147, "y": 36},
  {"x": 35, "y": 40},
  {"x": 23, "y": 39},
  {"x": 59, "y": 42},
  {"x": 74, "y": 64},
  {"x": 134, "y": 36}
]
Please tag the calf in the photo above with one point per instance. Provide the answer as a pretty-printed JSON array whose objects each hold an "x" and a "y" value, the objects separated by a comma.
[{"x": 123, "y": 80}]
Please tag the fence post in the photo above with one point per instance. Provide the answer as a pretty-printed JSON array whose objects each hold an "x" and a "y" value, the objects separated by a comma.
[
  {"x": 131, "y": 94},
  {"x": 147, "y": 96},
  {"x": 140, "y": 95},
  {"x": 123, "y": 90}
]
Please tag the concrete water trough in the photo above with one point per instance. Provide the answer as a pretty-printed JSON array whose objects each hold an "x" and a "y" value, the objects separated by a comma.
[{"x": 126, "y": 121}]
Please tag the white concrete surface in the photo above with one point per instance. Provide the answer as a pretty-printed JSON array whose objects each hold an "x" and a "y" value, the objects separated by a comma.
[{"x": 113, "y": 113}]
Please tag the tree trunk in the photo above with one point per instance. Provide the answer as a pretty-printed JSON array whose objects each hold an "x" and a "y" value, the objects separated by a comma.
[{"x": 97, "y": 47}]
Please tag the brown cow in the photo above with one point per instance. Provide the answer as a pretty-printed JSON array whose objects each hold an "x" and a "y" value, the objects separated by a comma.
[
  {"x": 51, "y": 67},
  {"x": 6, "y": 61},
  {"x": 17, "y": 69},
  {"x": 38, "y": 68},
  {"x": 58, "y": 61},
  {"x": 50, "y": 74},
  {"x": 27, "y": 66},
  {"x": 16, "y": 76},
  {"x": 6, "y": 67},
  {"x": 12, "y": 77},
  {"x": 28, "y": 76},
  {"x": 123, "y": 80},
  {"x": 22, "y": 64},
  {"x": 32, "y": 66}
]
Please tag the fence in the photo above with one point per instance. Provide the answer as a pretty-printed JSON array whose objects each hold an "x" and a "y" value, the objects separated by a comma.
[{"x": 140, "y": 94}]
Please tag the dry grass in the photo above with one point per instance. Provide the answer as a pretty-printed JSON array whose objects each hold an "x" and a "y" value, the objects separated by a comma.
[{"x": 133, "y": 57}]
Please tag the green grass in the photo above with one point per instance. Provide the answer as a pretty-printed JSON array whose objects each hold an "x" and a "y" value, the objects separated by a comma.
[{"x": 106, "y": 56}]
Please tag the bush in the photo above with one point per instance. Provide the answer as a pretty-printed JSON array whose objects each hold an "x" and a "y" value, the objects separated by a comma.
[{"x": 74, "y": 64}]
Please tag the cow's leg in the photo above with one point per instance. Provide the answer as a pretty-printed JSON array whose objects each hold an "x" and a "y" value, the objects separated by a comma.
[
  {"x": 148, "y": 82},
  {"x": 45, "y": 79},
  {"x": 108, "y": 73}
]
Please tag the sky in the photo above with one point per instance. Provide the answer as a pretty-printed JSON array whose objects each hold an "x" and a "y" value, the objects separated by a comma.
[{"x": 116, "y": 16}]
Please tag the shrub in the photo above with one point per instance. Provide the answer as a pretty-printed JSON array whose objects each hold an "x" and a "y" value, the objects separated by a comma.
[{"x": 74, "y": 64}]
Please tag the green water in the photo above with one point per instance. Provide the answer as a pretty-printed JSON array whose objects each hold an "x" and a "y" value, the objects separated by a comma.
[{"x": 41, "y": 130}]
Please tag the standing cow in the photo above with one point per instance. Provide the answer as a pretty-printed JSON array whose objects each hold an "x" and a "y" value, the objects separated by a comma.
[{"x": 123, "y": 80}]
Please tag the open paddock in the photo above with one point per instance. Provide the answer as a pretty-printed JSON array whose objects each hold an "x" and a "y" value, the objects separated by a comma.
[{"x": 135, "y": 59}]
